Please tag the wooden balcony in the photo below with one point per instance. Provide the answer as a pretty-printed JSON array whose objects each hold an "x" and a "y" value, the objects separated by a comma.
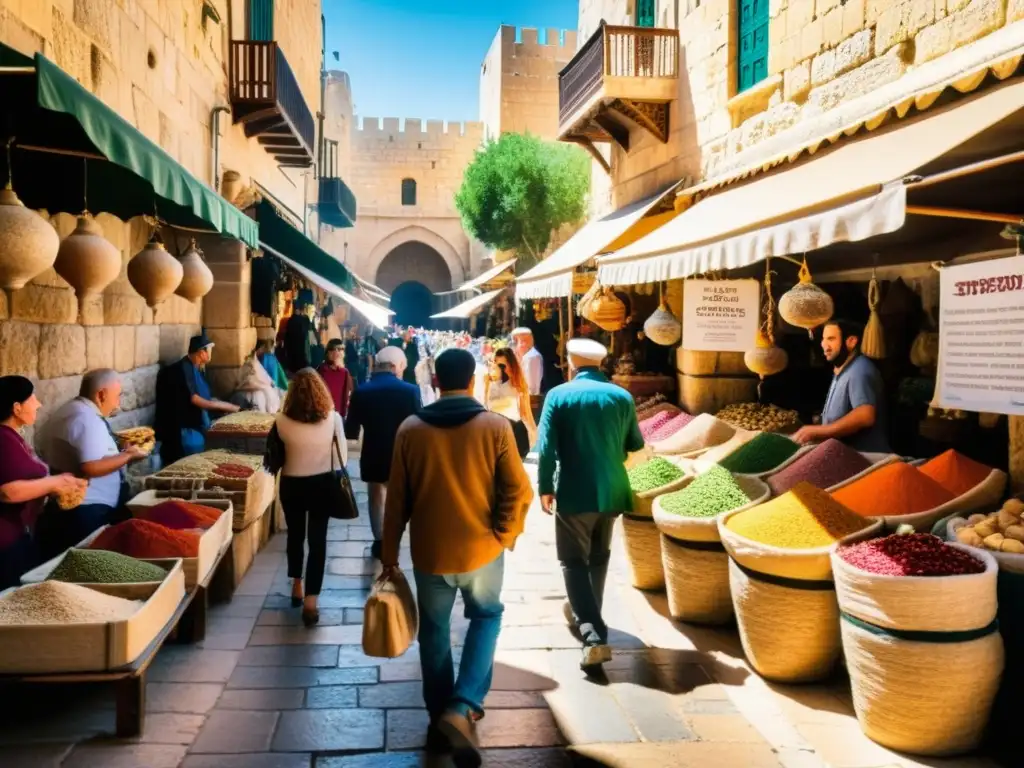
[
  {"x": 267, "y": 100},
  {"x": 621, "y": 77}
]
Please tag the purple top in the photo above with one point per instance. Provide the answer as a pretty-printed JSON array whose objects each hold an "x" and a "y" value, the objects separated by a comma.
[{"x": 19, "y": 463}]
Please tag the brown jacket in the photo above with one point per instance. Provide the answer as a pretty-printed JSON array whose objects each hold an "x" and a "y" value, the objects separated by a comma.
[{"x": 461, "y": 488}]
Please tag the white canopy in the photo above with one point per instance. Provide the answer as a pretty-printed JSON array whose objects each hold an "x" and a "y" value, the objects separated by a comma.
[
  {"x": 468, "y": 308},
  {"x": 485, "y": 277}
]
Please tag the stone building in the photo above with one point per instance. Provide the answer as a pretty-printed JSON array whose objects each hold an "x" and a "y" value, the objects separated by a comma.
[{"x": 164, "y": 68}]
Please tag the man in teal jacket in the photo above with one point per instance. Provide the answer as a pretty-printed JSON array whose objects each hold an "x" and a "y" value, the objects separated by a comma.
[{"x": 587, "y": 428}]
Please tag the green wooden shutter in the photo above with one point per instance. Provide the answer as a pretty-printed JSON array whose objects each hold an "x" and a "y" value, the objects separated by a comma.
[
  {"x": 261, "y": 20},
  {"x": 645, "y": 13},
  {"x": 753, "y": 39}
]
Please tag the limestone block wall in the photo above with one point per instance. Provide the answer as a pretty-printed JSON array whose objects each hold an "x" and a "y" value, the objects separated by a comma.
[
  {"x": 42, "y": 335},
  {"x": 519, "y": 81}
]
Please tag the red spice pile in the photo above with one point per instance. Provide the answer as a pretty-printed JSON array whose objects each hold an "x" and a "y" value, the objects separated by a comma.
[
  {"x": 669, "y": 428},
  {"x": 955, "y": 472},
  {"x": 649, "y": 426},
  {"x": 895, "y": 489},
  {"x": 914, "y": 554},
  {"x": 236, "y": 471},
  {"x": 178, "y": 515},
  {"x": 143, "y": 539}
]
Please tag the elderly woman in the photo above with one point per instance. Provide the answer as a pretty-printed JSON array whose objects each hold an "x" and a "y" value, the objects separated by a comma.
[{"x": 25, "y": 481}]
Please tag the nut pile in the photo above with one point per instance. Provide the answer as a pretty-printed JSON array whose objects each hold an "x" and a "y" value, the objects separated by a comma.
[
  {"x": 912, "y": 554},
  {"x": 97, "y": 566},
  {"x": 710, "y": 494},
  {"x": 57, "y": 602},
  {"x": 754, "y": 416},
  {"x": 253, "y": 422},
  {"x": 1001, "y": 531},
  {"x": 656, "y": 473}
]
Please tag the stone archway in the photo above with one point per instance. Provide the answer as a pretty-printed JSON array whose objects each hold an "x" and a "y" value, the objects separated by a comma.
[
  {"x": 421, "y": 235},
  {"x": 412, "y": 273}
]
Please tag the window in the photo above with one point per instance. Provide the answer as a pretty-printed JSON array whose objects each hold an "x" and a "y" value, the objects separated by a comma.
[
  {"x": 645, "y": 12},
  {"x": 752, "y": 62},
  {"x": 408, "y": 191},
  {"x": 261, "y": 20}
]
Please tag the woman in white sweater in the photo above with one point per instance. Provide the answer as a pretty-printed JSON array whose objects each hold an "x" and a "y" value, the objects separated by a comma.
[{"x": 310, "y": 429}]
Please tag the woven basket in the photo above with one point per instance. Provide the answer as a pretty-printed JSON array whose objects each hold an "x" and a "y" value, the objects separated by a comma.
[
  {"x": 985, "y": 494},
  {"x": 643, "y": 503},
  {"x": 948, "y": 714},
  {"x": 785, "y": 604},
  {"x": 695, "y": 563},
  {"x": 643, "y": 552}
]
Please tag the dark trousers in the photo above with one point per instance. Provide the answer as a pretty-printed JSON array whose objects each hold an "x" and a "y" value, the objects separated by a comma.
[
  {"x": 304, "y": 500},
  {"x": 59, "y": 529},
  {"x": 583, "y": 543},
  {"x": 17, "y": 558}
]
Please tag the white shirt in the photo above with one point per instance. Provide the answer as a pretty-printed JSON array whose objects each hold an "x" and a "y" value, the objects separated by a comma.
[
  {"x": 502, "y": 398},
  {"x": 533, "y": 370},
  {"x": 308, "y": 448},
  {"x": 77, "y": 433}
]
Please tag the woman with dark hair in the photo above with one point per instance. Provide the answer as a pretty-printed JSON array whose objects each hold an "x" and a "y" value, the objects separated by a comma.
[
  {"x": 506, "y": 392},
  {"x": 25, "y": 481},
  {"x": 313, "y": 435}
]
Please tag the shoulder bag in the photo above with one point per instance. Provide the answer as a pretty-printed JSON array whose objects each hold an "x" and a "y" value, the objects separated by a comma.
[{"x": 342, "y": 505}]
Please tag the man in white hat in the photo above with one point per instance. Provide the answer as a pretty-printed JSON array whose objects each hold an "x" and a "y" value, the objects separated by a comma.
[
  {"x": 530, "y": 359},
  {"x": 587, "y": 428}
]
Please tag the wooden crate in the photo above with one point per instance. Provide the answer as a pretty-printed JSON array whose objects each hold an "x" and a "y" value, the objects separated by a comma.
[
  {"x": 248, "y": 497},
  {"x": 245, "y": 545},
  {"x": 195, "y": 569},
  {"x": 237, "y": 442},
  {"x": 53, "y": 648}
]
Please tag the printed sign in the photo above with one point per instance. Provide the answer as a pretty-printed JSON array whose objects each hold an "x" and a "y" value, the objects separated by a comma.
[
  {"x": 981, "y": 337},
  {"x": 720, "y": 315}
]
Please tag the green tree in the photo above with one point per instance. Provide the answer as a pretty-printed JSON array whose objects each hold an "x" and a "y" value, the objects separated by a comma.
[{"x": 519, "y": 189}]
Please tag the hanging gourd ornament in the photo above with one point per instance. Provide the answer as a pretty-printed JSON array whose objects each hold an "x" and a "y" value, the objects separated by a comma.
[
  {"x": 662, "y": 327},
  {"x": 87, "y": 261},
  {"x": 873, "y": 343},
  {"x": 805, "y": 305},
  {"x": 197, "y": 279},
  {"x": 28, "y": 242},
  {"x": 765, "y": 359},
  {"x": 154, "y": 273}
]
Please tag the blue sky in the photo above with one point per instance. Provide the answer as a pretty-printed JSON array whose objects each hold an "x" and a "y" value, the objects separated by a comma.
[{"x": 421, "y": 58}]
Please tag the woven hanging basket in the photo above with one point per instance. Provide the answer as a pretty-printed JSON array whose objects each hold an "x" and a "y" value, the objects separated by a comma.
[
  {"x": 662, "y": 327},
  {"x": 805, "y": 305}
]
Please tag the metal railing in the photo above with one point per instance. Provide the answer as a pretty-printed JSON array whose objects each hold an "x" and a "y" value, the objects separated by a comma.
[
  {"x": 261, "y": 75},
  {"x": 621, "y": 52}
]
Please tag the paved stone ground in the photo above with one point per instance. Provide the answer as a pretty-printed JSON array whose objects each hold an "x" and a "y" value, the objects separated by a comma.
[{"x": 263, "y": 692}]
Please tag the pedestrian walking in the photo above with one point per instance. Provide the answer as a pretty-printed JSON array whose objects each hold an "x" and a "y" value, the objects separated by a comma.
[
  {"x": 380, "y": 406},
  {"x": 313, "y": 435},
  {"x": 458, "y": 483},
  {"x": 587, "y": 428}
]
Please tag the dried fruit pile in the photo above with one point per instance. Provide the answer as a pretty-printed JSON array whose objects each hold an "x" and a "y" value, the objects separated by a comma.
[
  {"x": 754, "y": 416},
  {"x": 913, "y": 554},
  {"x": 1001, "y": 531}
]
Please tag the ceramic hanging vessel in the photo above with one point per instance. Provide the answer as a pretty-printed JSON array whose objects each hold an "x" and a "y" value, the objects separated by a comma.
[
  {"x": 197, "y": 279},
  {"x": 154, "y": 273},
  {"x": 765, "y": 359},
  {"x": 28, "y": 242},
  {"x": 662, "y": 327},
  {"x": 805, "y": 305},
  {"x": 87, "y": 260}
]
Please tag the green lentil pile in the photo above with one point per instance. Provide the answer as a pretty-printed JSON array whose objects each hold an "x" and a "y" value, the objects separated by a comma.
[
  {"x": 765, "y": 452},
  {"x": 98, "y": 566},
  {"x": 653, "y": 474},
  {"x": 710, "y": 494}
]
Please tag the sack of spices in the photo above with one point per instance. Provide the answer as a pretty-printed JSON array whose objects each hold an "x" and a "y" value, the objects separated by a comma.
[
  {"x": 780, "y": 575},
  {"x": 648, "y": 480},
  {"x": 921, "y": 640},
  {"x": 695, "y": 565},
  {"x": 390, "y": 620}
]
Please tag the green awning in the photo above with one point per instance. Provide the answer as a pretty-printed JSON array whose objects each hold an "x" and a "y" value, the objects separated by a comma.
[
  {"x": 48, "y": 110},
  {"x": 282, "y": 237}
]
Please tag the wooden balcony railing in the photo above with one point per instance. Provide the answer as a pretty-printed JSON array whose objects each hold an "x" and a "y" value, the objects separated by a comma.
[
  {"x": 617, "y": 53},
  {"x": 266, "y": 97}
]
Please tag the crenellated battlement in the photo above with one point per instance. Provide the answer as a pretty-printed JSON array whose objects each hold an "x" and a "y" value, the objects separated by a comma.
[
  {"x": 415, "y": 129},
  {"x": 523, "y": 40}
]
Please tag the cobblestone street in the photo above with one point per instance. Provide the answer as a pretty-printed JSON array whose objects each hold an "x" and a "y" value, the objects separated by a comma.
[{"x": 263, "y": 692}]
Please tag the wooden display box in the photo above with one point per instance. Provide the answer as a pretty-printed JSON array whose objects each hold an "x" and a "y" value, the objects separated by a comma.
[
  {"x": 246, "y": 544},
  {"x": 237, "y": 442},
  {"x": 195, "y": 569},
  {"x": 249, "y": 497},
  {"x": 61, "y": 648}
]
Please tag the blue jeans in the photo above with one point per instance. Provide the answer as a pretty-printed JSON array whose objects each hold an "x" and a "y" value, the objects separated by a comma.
[{"x": 481, "y": 592}]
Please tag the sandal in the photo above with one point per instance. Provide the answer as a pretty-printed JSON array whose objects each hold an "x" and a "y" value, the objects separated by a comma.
[{"x": 310, "y": 616}]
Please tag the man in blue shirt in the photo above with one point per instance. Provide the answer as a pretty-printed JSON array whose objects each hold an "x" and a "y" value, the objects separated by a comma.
[{"x": 854, "y": 410}]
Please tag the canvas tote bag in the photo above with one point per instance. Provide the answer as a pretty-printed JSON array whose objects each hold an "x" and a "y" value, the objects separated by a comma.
[{"x": 390, "y": 621}]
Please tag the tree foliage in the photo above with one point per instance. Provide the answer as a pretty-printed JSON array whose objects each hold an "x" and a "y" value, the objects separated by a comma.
[{"x": 519, "y": 189}]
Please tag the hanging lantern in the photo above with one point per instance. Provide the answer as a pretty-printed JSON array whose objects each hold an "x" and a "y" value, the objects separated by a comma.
[
  {"x": 87, "y": 260},
  {"x": 607, "y": 311},
  {"x": 197, "y": 279},
  {"x": 805, "y": 305},
  {"x": 154, "y": 273},
  {"x": 28, "y": 242},
  {"x": 662, "y": 327},
  {"x": 766, "y": 359}
]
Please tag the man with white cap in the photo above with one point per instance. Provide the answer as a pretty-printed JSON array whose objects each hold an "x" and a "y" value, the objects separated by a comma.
[
  {"x": 530, "y": 359},
  {"x": 380, "y": 406},
  {"x": 587, "y": 428}
]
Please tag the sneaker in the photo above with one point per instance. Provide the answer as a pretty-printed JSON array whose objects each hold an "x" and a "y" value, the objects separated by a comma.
[
  {"x": 460, "y": 731},
  {"x": 594, "y": 656}
]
